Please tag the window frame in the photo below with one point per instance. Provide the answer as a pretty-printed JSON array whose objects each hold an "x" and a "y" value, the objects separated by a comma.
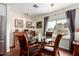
[{"x": 57, "y": 23}]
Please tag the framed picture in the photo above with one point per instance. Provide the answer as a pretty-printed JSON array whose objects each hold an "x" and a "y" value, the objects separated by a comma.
[
  {"x": 28, "y": 24},
  {"x": 39, "y": 24},
  {"x": 18, "y": 23}
]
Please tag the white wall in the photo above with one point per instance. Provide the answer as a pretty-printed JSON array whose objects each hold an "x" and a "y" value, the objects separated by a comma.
[
  {"x": 13, "y": 14},
  {"x": 37, "y": 19},
  {"x": 57, "y": 15}
]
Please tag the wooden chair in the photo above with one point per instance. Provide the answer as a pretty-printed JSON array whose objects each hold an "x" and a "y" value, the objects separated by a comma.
[
  {"x": 52, "y": 49},
  {"x": 49, "y": 34},
  {"x": 25, "y": 49},
  {"x": 33, "y": 33}
]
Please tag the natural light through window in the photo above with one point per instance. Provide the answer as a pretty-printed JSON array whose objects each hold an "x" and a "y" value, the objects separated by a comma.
[
  {"x": 51, "y": 24},
  {"x": 62, "y": 21}
]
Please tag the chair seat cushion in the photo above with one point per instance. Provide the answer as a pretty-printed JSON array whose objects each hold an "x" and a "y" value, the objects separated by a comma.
[
  {"x": 48, "y": 48},
  {"x": 33, "y": 50}
]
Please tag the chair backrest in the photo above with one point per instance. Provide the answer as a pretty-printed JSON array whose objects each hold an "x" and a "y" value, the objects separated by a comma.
[
  {"x": 23, "y": 42},
  {"x": 49, "y": 34},
  {"x": 33, "y": 33},
  {"x": 56, "y": 44}
]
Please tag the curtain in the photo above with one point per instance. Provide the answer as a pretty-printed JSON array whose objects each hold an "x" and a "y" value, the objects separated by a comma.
[
  {"x": 71, "y": 24},
  {"x": 45, "y": 24}
]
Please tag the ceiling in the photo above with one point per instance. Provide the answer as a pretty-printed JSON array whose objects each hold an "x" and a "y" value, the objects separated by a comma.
[{"x": 42, "y": 9}]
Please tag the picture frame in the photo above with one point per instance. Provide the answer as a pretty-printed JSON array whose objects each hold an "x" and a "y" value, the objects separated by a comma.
[
  {"x": 18, "y": 23},
  {"x": 28, "y": 24},
  {"x": 39, "y": 24}
]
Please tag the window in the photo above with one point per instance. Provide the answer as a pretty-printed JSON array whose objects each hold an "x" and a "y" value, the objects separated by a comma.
[
  {"x": 51, "y": 25},
  {"x": 59, "y": 24},
  {"x": 62, "y": 21}
]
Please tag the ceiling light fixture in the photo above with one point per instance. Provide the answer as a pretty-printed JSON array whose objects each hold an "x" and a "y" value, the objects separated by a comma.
[{"x": 26, "y": 14}]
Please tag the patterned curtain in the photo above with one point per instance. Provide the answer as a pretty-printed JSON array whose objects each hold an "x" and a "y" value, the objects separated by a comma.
[
  {"x": 71, "y": 24},
  {"x": 45, "y": 24}
]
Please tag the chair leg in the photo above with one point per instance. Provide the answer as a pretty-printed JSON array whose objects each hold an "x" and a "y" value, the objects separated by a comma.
[
  {"x": 58, "y": 53},
  {"x": 20, "y": 53}
]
